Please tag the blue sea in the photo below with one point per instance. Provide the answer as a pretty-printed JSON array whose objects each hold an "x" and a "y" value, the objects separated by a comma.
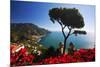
[{"x": 80, "y": 41}]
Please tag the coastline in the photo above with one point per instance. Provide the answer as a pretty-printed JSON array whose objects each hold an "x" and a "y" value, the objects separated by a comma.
[
  {"x": 37, "y": 38},
  {"x": 40, "y": 37}
]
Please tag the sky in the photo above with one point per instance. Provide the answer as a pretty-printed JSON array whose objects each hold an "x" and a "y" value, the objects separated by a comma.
[{"x": 37, "y": 13}]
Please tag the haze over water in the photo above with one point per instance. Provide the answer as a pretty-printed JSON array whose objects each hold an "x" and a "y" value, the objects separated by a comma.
[{"x": 80, "y": 41}]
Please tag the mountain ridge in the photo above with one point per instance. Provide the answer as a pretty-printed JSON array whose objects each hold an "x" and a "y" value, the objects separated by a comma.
[{"x": 20, "y": 31}]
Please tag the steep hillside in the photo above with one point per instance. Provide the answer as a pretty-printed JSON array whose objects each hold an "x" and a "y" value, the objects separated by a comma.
[{"x": 20, "y": 31}]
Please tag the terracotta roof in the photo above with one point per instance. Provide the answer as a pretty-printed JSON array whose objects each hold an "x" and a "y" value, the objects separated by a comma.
[{"x": 16, "y": 48}]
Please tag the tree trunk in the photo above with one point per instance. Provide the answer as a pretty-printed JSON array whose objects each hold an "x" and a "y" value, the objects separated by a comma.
[{"x": 65, "y": 39}]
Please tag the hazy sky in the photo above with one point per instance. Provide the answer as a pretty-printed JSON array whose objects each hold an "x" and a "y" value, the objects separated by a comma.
[{"x": 37, "y": 13}]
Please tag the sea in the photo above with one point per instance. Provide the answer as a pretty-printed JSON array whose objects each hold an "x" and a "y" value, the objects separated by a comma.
[{"x": 80, "y": 41}]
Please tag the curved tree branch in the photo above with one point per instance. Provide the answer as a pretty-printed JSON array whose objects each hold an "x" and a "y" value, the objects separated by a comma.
[
  {"x": 63, "y": 27},
  {"x": 63, "y": 31},
  {"x": 66, "y": 39}
]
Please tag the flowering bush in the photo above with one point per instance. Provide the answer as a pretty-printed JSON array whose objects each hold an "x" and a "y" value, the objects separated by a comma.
[{"x": 23, "y": 58}]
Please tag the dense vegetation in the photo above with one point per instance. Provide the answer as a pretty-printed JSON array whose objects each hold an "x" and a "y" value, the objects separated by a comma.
[
  {"x": 22, "y": 58},
  {"x": 24, "y": 31}
]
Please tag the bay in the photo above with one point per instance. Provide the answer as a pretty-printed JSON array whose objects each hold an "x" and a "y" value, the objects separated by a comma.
[{"x": 80, "y": 41}]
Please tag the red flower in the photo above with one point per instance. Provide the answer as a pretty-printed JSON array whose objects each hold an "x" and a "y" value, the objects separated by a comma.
[
  {"x": 23, "y": 50},
  {"x": 22, "y": 58}
]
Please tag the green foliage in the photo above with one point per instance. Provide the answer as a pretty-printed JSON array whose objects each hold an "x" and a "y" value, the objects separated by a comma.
[
  {"x": 79, "y": 32},
  {"x": 67, "y": 16},
  {"x": 24, "y": 31}
]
